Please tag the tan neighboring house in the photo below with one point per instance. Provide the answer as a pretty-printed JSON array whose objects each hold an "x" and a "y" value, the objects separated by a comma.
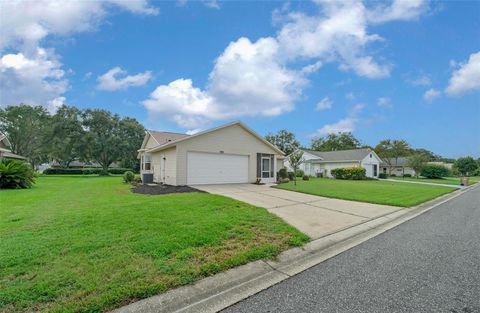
[
  {"x": 232, "y": 153},
  {"x": 400, "y": 166},
  {"x": 316, "y": 163},
  {"x": 5, "y": 151}
]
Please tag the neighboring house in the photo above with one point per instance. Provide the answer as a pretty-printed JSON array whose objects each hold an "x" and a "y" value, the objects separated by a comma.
[
  {"x": 396, "y": 167},
  {"x": 5, "y": 151},
  {"x": 316, "y": 162},
  {"x": 400, "y": 166},
  {"x": 447, "y": 165},
  {"x": 232, "y": 153}
]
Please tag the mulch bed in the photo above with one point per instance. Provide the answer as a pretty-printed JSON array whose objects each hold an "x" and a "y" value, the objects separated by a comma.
[{"x": 162, "y": 189}]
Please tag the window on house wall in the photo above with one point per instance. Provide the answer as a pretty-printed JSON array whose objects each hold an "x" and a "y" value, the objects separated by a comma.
[{"x": 147, "y": 162}]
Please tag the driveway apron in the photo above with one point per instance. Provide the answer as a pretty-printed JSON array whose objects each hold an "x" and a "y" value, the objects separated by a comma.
[{"x": 313, "y": 215}]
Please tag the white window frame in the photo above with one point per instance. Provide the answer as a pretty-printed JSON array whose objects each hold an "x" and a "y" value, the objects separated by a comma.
[
  {"x": 147, "y": 159},
  {"x": 262, "y": 170}
]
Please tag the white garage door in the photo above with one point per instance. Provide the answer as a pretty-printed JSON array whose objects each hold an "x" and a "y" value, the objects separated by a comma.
[{"x": 216, "y": 168}]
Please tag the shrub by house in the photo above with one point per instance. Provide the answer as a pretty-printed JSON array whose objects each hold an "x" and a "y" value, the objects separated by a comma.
[
  {"x": 352, "y": 173},
  {"x": 16, "y": 174}
]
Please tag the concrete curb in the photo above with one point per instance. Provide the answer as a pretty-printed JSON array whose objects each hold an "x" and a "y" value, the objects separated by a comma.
[{"x": 217, "y": 292}]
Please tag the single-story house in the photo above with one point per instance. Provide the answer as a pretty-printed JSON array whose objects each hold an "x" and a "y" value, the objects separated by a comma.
[
  {"x": 232, "y": 153},
  {"x": 5, "y": 151},
  {"x": 396, "y": 167},
  {"x": 323, "y": 162}
]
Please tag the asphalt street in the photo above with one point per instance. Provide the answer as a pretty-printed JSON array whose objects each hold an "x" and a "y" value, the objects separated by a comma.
[{"x": 428, "y": 264}]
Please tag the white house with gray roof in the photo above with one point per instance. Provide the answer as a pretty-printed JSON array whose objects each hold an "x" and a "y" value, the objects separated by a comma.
[{"x": 317, "y": 162}]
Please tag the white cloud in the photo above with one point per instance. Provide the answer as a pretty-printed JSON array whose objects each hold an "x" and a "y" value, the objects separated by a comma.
[
  {"x": 347, "y": 124},
  {"x": 247, "y": 80},
  {"x": 342, "y": 126},
  {"x": 213, "y": 4},
  {"x": 55, "y": 104},
  {"x": 111, "y": 80},
  {"x": 431, "y": 94},
  {"x": 357, "y": 108},
  {"x": 384, "y": 102},
  {"x": 324, "y": 104},
  {"x": 189, "y": 106},
  {"x": 264, "y": 78},
  {"x": 350, "y": 96},
  {"x": 340, "y": 33},
  {"x": 422, "y": 80},
  {"x": 33, "y": 74},
  {"x": 466, "y": 78},
  {"x": 25, "y": 23},
  {"x": 35, "y": 80},
  {"x": 312, "y": 68},
  {"x": 399, "y": 10}
]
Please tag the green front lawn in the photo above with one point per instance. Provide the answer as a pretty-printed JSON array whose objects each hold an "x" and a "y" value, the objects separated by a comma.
[
  {"x": 372, "y": 191},
  {"x": 446, "y": 180},
  {"x": 87, "y": 244}
]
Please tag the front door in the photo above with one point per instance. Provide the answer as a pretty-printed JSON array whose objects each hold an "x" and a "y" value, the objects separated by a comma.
[{"x": 266, "y": 168}]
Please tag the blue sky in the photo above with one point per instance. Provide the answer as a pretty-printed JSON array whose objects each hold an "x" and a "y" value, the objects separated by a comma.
[{"x": 402, "y": 69}]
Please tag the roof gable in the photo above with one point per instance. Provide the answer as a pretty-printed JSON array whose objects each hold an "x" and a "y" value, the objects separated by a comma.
[
  {"x": 340, "y": 155},
  {"x": 158, "y": 138},
  {"x": 174, "y": 142}
]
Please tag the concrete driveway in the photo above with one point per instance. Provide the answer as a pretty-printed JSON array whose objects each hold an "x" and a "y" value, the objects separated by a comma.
[{"x": 313, "y": 215}]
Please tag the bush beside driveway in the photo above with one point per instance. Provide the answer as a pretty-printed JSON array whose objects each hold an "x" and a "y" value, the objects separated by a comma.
[
  {"x": 88, "y": 244},
  {"x": 371, "y": 191}
]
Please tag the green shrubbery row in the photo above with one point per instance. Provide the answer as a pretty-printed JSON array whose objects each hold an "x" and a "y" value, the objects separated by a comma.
[
  {"x": 434, "y": 171},
  {"x": 353, "y": 173},
  {"x": 84, "y": 171}
]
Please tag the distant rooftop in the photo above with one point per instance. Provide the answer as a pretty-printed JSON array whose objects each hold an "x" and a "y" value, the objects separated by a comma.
[{"x": 340, "y": 155}]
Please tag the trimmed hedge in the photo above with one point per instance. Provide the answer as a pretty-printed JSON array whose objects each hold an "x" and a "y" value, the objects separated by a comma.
[
  {"x": 84, "y": 171},
  {"x": 352, "y": 173},
  {"x": 382, "y": 175},
  {"x": 434, "y": 171},
  {"x": 407, "y": 175}
]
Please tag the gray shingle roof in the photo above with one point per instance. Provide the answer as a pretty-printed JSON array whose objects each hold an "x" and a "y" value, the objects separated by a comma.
[
  {"x": 340, "y": 155},
  {"x": 402, "y": 161}
]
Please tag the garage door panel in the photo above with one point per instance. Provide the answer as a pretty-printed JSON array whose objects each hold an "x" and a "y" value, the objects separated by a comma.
[{"x": 216, "y": 168}]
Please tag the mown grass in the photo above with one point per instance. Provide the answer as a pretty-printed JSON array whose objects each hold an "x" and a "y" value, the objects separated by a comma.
[
  {"x": 445, "y": 180},
  {"x": 372, "y": 191},
  {"x": 87, "y": 244}
]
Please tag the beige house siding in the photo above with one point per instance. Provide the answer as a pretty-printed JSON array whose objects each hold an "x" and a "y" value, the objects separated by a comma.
[
  {"x": 170, "y": 166},
  {"x": 231, "y": 140},
  {"x": 151, "y": 143},
  {"x": 279, "y": 165}
]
